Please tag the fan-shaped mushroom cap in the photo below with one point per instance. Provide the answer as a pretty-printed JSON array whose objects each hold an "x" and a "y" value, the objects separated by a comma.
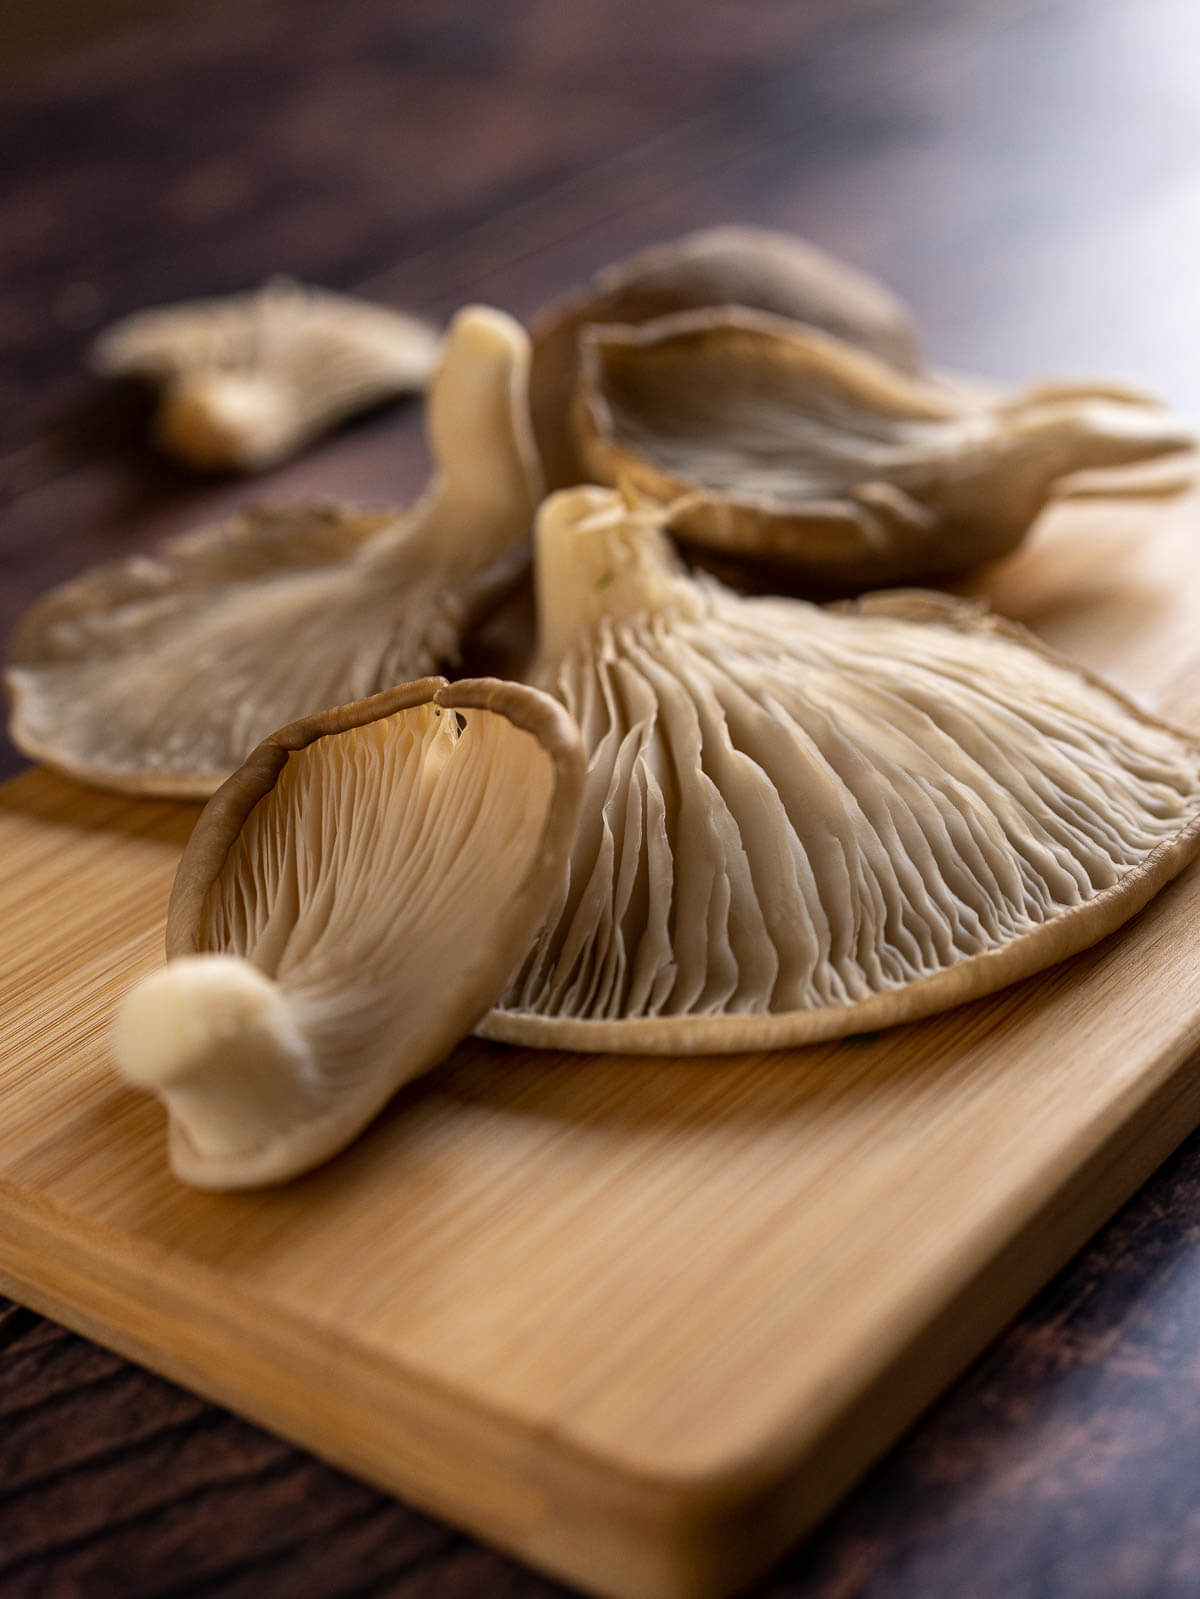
[
  {"x": 158, "y": 674},
  {"x": 803, "y": 822},
  {"x": 783, "y": 443},
  {"x": 350, "y": 903},
  {"x": 246, "y": 381},
  {"x": 743, "y": 266}
]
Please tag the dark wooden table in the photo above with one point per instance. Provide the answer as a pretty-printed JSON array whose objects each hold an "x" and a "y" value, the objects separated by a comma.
[{"x": 1026, "y": 174}]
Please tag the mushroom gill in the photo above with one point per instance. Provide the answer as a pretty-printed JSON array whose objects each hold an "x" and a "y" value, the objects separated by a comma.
[
  {"x": 349, "y": 904},
  {"x": 159, "y": 673},
  {"x": 783, "y": 443},
  {"x": 803, "y": 822},
  {"x": 247, "y": 381},
  {"x": 730, "y": 265}
]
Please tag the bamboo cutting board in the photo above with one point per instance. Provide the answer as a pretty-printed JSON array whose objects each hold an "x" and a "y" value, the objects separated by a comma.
[{"x": 637, "y": 1321}]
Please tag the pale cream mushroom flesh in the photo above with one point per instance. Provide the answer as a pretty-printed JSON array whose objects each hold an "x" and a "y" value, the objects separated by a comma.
[
  {"x": 350, "y": 903},
  {"x": 804, "y": 822},
  {"x": 784, "y": 444},
  {"x": 158, "y": 674},
  {"x": 248, "y": 380},
  {"x": 731, "y": 265}
]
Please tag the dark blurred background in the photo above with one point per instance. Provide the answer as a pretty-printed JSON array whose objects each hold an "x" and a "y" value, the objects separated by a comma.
[{"x": 1026, "y": 174}]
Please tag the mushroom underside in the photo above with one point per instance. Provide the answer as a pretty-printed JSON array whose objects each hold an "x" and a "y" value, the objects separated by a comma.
[
  {"x": 801, "y": 822},
  {"x": 350, "y": 903},
  {"x": 160, "y": 673}
]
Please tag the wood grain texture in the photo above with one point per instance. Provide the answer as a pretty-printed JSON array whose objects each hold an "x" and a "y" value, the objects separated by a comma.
[
  {"x": 639, "y": 1322},
  {"x": 1026, "y": 176}
]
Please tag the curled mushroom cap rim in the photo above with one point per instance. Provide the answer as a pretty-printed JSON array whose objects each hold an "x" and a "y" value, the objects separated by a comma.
[
  {"x": 223, "y": 816},
  {"x": 272, "y": 1058},
  {"x": 782, "y": 443},
  {"x": 729, "y": 265}
]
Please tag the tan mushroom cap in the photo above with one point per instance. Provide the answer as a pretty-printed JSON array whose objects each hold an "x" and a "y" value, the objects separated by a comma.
[
  {"x": 804, "y": 822},
  {"x": 158, "y": 674},
  {"x": 248, "y": 380},
  {"x": 348, "y": 906},
  {"x": 742, "y": 266},
  {"x": 782, "y": 443}
]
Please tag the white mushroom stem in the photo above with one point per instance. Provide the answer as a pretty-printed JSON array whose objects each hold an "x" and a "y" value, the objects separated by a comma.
[
  {"x": 598, "y": 558},
  {"x": 487, "y": 478},
  {"x": 218, "y": 419},
  {"x": 212, "y": 1036}
]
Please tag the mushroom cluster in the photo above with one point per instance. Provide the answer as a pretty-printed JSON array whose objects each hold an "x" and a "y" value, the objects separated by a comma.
[{"x": 703, "y": 822}]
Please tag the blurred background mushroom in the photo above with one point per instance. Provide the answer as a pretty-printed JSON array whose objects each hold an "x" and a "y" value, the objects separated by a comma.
[
  {"x": 159, "y": 674},
  {"x": 246, "y": 381}
]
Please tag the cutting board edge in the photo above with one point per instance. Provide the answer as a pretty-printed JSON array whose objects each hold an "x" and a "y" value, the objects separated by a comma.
[
  {"x": 668, "y": 1538},
  {"x": 986, "y": 1301},
  {"x": 99, "y": 1295}
]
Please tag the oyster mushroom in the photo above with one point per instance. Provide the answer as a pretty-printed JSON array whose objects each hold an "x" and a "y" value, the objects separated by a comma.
[
  {"x": 804, "y": 822},
  {"x": 158, "y": 674},
  {"x": 780, "y": 442},
  {"x": 743, "y": 266},
  {"x": 247, "y": 381},
  {"x": 349, "y": 904}
]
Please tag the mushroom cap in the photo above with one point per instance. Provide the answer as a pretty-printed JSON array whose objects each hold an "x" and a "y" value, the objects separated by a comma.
[
  {"x": 350, "y": 903},
  {"x": 157, "y": 674},
  {"x": 735, "y": 266},
  {"x": 783, "y": 443},
  {"x": 247, "y": 380},
  {"x": 802, "y": 822}
]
